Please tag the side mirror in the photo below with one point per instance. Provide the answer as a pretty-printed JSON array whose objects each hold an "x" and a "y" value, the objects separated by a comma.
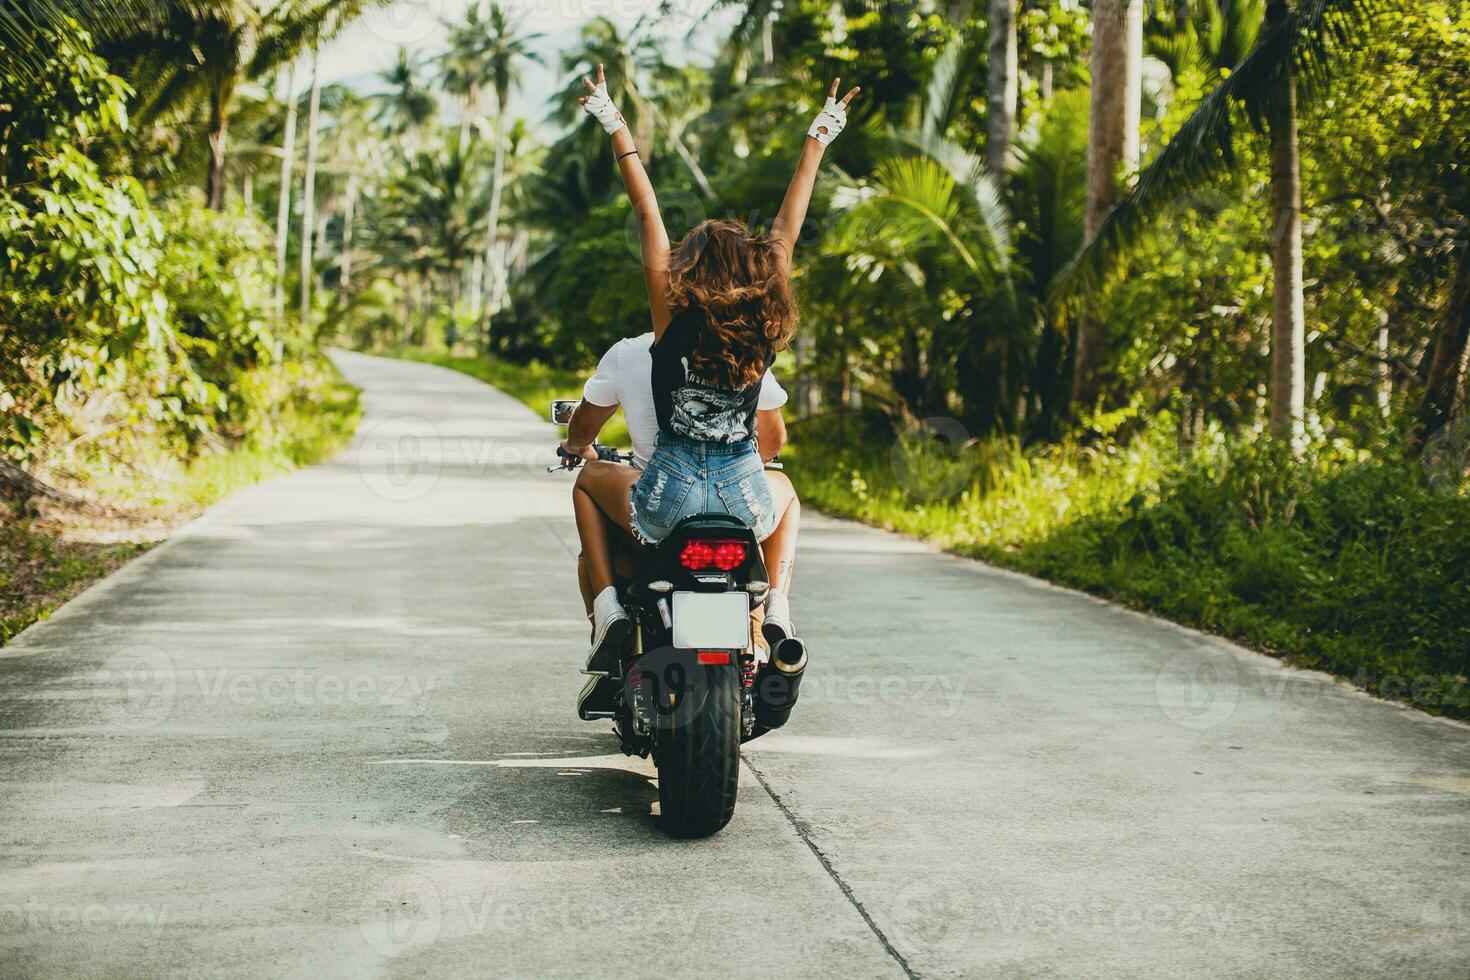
[{"x": 562, "y": 409}]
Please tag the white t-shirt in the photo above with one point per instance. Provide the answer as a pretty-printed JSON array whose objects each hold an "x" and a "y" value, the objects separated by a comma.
[{"x": 625, "y": 377}]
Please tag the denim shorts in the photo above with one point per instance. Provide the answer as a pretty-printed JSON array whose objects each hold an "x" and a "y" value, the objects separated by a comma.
[{"x": 687, "y": 477}]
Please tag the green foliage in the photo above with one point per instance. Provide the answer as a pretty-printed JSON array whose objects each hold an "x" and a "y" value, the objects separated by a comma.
[
  {"x": 217, "y": 274},
  {"x": 38, "y": 572},
  {"x": 590, "y": 312},
  {"x": 127, "y": 325},
  {"x": 141, "y": 364},
  {"x": 1347, "y": 561},
  {"x": 81, "y": 255}
]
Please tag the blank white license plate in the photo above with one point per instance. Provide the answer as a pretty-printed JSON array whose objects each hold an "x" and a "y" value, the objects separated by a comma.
[{"x": 711, "y": 620}]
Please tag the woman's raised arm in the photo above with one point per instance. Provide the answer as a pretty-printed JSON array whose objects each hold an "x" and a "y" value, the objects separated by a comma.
[
  {"x": 786, "y": 229},
  {"x": 653, "y": 238}
]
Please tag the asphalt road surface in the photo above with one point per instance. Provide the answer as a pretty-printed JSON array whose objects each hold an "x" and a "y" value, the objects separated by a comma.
[{"x": 328, "y": 729}]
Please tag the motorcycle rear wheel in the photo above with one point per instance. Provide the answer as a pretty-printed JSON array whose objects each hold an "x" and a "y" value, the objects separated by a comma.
[{"x": 699, "y": 762}]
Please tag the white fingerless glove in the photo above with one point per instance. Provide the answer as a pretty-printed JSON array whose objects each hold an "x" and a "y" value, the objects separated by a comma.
[
  {"x": 600, "y": 106},
  {"x": 831, "y": 119}
]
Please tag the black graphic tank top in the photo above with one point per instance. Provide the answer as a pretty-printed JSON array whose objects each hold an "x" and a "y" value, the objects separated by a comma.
[{"x": 689, "y": 406}]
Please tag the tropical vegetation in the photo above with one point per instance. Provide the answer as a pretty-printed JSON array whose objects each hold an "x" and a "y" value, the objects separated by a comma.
[{"x": 1169, "y": 301}]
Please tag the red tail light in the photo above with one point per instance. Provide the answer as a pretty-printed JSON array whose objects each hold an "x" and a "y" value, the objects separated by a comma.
[
  {"x": 713, "y": 657},
  {"x": 723, "y": 554}
]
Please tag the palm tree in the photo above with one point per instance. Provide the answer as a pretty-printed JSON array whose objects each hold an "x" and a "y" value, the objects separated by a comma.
[
  {"x": 677, "y": 102},
  {"x": 926, "y": 231},
  {"x": 355, "y": 154},
  {"x": 308, "y": 189},
  {"x": 283, "y": 198},
  {"x": 407, "y": 104},
  {"x": 1002, "y": 70},
  {"x": 504, "y": 49},
  {"x": 1298, "y": 43},
  {"x": 201, "y": 52},
  {"x": 1444, "y": 386},
  {"x": 1289, "y": 306},
  {"x": 1048, "y": 196},
  {"x": 1205, "y": 35},
  {"x": 625, "y": 59},
  {"x": 1117, "y": 94},
  {"x": 463, "y": 67},
  {"x": 428, "y": 223}
]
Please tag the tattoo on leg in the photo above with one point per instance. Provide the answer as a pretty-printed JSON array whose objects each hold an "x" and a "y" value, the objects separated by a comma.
[{"x": 784, "y": 568}]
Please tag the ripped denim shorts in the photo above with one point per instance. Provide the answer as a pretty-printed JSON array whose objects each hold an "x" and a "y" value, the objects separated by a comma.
[{"x": 687, "y": 477}]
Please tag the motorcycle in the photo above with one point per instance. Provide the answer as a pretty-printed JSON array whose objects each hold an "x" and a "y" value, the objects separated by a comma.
[{"x": 691, "y": 683}]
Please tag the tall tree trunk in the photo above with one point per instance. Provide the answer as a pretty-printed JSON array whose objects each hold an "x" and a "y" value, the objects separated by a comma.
[
  {"x": 477, "y": 286},
  {"x": 1384, "y": 370},
  {"x": 957, "y": 11},
  {"x": 219, "y": 130},
  {"x": 1288, "y": 301},
  {"x": 283, "y": 202},
  {"x": 690, "y": 163},
  {"x": 494, "y": 274},
  {"x": 1002, "y": 85},
  {"x": 471, "y": 105},
  {"x": 808, "y": 393},
  {"x": 247, "y": 191},
  {"x": 349, "y": 214},
  {"x": 1442, "y": 388},
  {"x": 308, "y": 191},
  {"x": 1112, "y": 150},
  {"x": 768, "y": 46}
]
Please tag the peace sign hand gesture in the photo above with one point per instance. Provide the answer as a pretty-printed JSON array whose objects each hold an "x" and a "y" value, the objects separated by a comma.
[
  {"x": 600, "y": 105},
  {"x": 833, "y": 117}
]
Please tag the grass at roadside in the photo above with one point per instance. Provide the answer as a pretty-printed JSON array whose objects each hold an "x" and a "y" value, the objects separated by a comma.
[
  {"x": 47, "y": 559},
  {"x": 39, "y": 570},
  {"x": 1356, "y": 564}
]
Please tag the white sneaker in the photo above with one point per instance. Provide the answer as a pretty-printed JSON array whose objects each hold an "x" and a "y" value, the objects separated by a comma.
[
  {"x": 777, "y": 625},
  {"x": 610, "y": 627}
]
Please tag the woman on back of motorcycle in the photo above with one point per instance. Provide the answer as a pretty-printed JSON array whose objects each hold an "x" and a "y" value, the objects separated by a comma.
[{"x": 722, "y": 307}]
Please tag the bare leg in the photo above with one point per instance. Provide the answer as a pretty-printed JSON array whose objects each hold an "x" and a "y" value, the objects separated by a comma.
[
  {"x": 779, "y": 549},
  {"x": 603, "y": 493},
  {"x": 583, "y": 584}
]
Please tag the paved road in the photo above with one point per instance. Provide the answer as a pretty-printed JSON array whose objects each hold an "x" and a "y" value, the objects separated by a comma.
[{"x": 328, "y": 729}]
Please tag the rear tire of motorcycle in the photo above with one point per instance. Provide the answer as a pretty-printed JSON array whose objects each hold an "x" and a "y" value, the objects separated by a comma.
[{"x": 699, "y": 763}]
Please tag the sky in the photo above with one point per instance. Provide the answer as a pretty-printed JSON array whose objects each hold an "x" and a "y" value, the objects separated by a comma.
[{"x": 371, "y": 45}]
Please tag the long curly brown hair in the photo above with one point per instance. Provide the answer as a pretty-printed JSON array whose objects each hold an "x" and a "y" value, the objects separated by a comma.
[{"x": 737, "y": 278}]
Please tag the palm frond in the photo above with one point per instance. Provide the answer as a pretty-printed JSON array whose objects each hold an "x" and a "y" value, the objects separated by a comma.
[
  {"x": 970, "y": 172},
  {"x": 911, "y": 200},
  {"x": 26, "y": 29},
  {"x": 942, "y": 92},
  {"x": 1305, "y": 42},
  {"x": 291, "y": 28}
]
